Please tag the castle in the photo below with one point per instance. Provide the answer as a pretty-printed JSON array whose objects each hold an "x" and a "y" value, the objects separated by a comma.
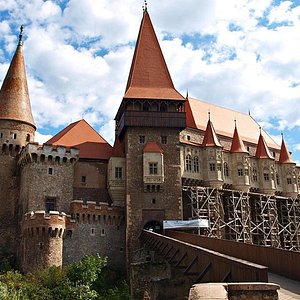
[{"x": 173, "y": 158}]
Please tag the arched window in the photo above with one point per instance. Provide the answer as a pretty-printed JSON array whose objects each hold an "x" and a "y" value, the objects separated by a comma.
[
  {"x": 226, "y": 170},
  {"x": 28, "y": 138},
  {"x": 188, "y": 163},
  {"x": 196, "y": 164},
  {"x": 254, "y": 174}
]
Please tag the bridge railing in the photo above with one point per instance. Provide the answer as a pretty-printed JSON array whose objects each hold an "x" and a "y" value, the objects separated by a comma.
[
  {"x": 205, "y": 265},
  {"x": 279, "y": 261}
]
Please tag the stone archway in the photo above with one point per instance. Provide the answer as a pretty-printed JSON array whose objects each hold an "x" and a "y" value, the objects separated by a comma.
[{"x": 154, "y": 226}]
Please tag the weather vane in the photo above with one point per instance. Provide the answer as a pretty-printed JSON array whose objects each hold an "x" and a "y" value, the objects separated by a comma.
[
  {"x": 145, "y": 6},
  {"x": 21, "y": 34}
]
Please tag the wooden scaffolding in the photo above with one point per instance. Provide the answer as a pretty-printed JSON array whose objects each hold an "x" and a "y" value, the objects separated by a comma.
[{"x": 247, "y": 217}]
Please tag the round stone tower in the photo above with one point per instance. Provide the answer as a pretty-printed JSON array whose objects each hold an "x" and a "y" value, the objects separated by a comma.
[{"x": 17, "y": 128}]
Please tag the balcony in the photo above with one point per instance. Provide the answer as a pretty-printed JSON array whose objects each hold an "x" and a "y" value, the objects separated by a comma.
[{"x": 151, "y": 119}]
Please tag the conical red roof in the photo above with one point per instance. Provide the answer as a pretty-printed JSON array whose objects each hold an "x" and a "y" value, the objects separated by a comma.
[
  {"x": 149, "y": 76},
  {"x": 14, "y": 96},
  {"x": 237, "y": 145},
  {"x": 284, "y": 157},
  {"x": 82, "y": 136},
  {"x": 262, "y": 150},
  {"x": 210, "y": 137}
]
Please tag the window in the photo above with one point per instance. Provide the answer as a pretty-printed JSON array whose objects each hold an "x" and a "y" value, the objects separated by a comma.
[
  {"x": 188, "y": 163},
  {"x": 14, "y": 136},
  {"x": 50, "y": 204},
  {"x": 83, "y": 179},
  {"x": 266, "y": 177},
  {"x": 1, "y": 135},
  {"x": 164, "y": 140},
  {"x": 28, "y": 138},
  {"x": 92, "y": 231},
  {"x": 196, "y": 164},
  {"x": 219, "y": 167},
  {"x": 240, "y": 172},
  {"x": 289, "y": 180},
  {"x": 274, "y": 154},
  {"x": 118, "y": 173},
  {"x": 142, "y": 139},
  {"x": 188, "y": 137},
  {"x": 248, "y": 148},
  {"x": 50, "y": 171},
  {"x": 153, "y": 201},
  {"x": 146, "y": 107},
  {"x": 212, "y": 167},
  {"x": 277, "y": 179},
  {"x": 254, "y": 174},
  {"x": 226, "y": 170},
  {"x": 153, "y": 168}
]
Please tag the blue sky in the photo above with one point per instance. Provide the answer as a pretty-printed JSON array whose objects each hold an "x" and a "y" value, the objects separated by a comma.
[{"x": 241, "y": 54}]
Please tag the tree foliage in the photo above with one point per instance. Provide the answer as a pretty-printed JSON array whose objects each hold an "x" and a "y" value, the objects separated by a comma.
[{"x": 88, "y": 279}]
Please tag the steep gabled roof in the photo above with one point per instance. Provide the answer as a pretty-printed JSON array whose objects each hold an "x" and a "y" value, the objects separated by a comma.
[
  {"x": 149, "y": 76},
  {"x": 210, "y": 138},
  {"x": 262, "y": 150},
  {"x": 82, "y": 136},
  {"x": 14, "y": 95},
  {"x": 153, "y": 148},
  {"x": 196, "y": 114},
  {"x": 237, "y": 145},
  {"x": 284, "y": 157}
]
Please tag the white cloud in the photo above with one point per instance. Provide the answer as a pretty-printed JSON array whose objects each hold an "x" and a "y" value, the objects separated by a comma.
[{"x": 41, "y": 138}]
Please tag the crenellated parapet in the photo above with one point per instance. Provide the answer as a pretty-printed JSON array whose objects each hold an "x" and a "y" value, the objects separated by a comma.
[
  {"x": 96, "y": 213},
  {"x": 35, "y": 153}
]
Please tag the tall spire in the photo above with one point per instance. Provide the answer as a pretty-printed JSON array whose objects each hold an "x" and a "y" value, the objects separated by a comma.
[
  {"x": 284, "y": 157},
  {"x": 237, "y": 145},
  {"x": 149, "y": 76},
  {"x": 210, "y": 137},
  {"x": 14, "y": 96},
  {"x": 262, "y": 150}
]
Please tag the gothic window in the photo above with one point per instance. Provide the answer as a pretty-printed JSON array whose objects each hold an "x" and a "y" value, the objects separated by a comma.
[
  {"x": 212, "y": 167},
  {"x": 254, "y": 174},
  {"x": 266, "y": 176},
  {"x": 196, "y": 164},
  {"x": 277, "y": 179},
  {"x": 164, "y": 140},
  {"x": 50, "y": 204},
  {"x": 118, "y": 173},
  {"x": 153, "y": 168},
  {"x": 188, "y": 163},
  {"x": 142, "y": 139},
  {"x": 226, "y": 170},
  {"x": 240, "y": 172}
]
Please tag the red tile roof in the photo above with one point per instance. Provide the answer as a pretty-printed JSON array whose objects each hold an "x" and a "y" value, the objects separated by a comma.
[
  {"x": 14, "y": 96},
  {"x": 237, "y": 145},
  {"x": 152, "y": 147},
  {"x": 262, "y": 150},
  {"x": 196, "y": 113},
  {"x": 118, "y": 148},
  {"x": 82, "y": 136},
  {"x": 149, "y": 76},
  {"x": 284, "y": 157},
  {"x": 210, "y": 138}
]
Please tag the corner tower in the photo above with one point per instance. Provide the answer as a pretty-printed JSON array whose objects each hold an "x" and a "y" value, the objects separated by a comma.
[
  {"x": 17, "y": 128},
  {"x": 151, "y": 113}
]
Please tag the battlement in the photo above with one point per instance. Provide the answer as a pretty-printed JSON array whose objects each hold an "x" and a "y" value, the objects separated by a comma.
[
  {"x": 96, "y": 213},
  {"x": 44, "y": 223},
  {"x": 33, "y": 152}
]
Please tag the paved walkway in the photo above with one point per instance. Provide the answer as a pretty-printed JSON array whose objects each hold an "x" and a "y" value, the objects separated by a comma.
[{"x": 289, "y": 289}]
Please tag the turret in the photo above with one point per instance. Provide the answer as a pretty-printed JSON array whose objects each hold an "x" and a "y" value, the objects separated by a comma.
[
  {"x": 212, "y": 155},
  {"x": 240, "y": 162},
  {"x": 266, "y": 166},
  {"x": 288, "y": 172},
  {"x": 16, "y": 122}
]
